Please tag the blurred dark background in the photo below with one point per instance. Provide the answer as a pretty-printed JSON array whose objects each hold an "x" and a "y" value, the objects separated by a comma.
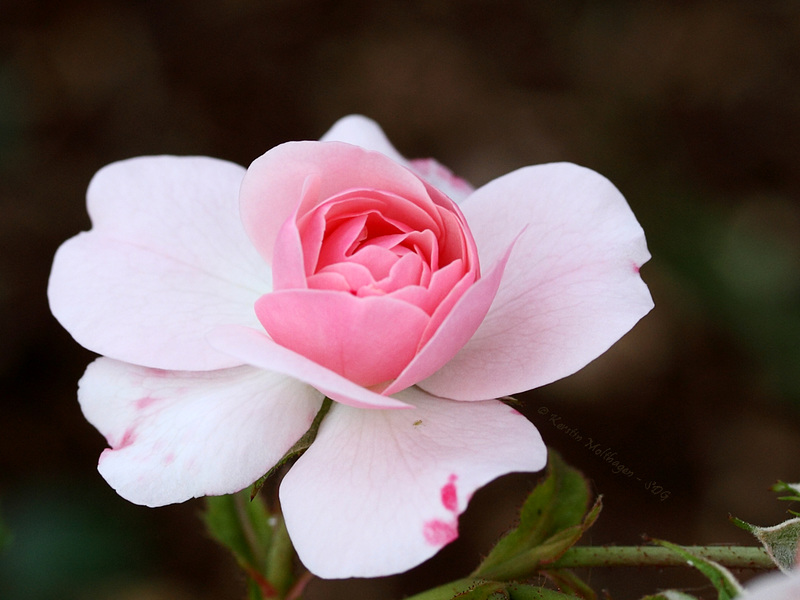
[{"x": 691, "y": 108}]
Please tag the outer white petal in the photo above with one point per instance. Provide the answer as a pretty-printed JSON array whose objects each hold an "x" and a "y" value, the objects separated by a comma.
[
  {"x": 166, "y": 259},
  {"x": 571, "y": 287},
  {"x": 366, "y": 133},
  {"x": 361, "y": 131},
  {"x": 379, "y": 492},
  {"x": 179, "y": 435},
  {"x": 775, "y": 586}
]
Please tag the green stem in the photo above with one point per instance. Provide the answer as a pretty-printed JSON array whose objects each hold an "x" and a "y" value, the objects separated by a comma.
[
  {"x": 247, "y": 529},
  {"x": 279, "y": 565},
  {"x": 300, "y": 585},
  {"x": 734, "y": 557}
]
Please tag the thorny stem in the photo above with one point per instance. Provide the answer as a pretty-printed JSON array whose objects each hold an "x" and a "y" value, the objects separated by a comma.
[{"x": 734, "y": 557}]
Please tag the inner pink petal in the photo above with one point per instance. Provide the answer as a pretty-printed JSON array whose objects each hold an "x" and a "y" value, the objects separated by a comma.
[
  {"x": 353, "y": 275},
  {"x": 406, "y": 214},
  {"x": 328, "y": 280},
  {"x": 448, "y": 332},
  {"x": 443, "y": 282},
  {"x": 425, "y": 244},
  {"x": 378, "y": 261},
  {"x": 340, "y": 241},
  {"x": 289, "y": 255},
  {"x": 389, "y": 240},
  {"x": 446, "y": 304},
  {"x": 453, "y": 243},
  {"x": 367, "y": 340},
  {"x": 408, "y": 270},
  {"x": 413, "y": 294}
]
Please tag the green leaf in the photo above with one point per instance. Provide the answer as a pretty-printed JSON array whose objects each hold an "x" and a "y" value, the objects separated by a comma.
[
  {"x": 780, "y": 541},
  {"x": 530, "y": 561},
  {"x": 566, "y": 581},
  {"x": 257, "y": 539},
  {"x": 723, "y": 581},
  {"x": 280, "y": 557},
  {"x": 300, "y": 446},
  {"x": 552, "y": 519},
  {"x": 223, "y": 519},
  {"x": 254, "y": 592}
]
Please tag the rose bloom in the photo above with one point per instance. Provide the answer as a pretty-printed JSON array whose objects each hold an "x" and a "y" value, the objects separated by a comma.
[{"x": 227, "y": 303}]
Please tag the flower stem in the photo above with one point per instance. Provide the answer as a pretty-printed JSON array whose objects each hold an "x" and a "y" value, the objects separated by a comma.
[
  {"x": 734, "y": 557},
  {"x": 300, "y": 585}
]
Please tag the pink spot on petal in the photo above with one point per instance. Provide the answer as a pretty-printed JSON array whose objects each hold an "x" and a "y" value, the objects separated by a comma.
[
  {"x": 439, "y": 533},
  {"x": 169, "y": 459},
  {"x": 143, "y": 403},
  {"x": 428, "y": 167},
  {"x": 449, "y": 494},
  {"x": 635, "y": 268},
  {"x": 127, "y": 439}
]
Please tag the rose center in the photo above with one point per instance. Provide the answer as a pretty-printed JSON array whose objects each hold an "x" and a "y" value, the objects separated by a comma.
[{"x": 370, "y": 243}]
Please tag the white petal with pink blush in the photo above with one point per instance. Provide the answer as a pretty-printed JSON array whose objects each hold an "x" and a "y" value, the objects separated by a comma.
[
  {"x": 166, "y": 260},
  {"x": 228, "y": 302},
  {"x": 571, "y": 287},
  {"x": 774, "y": 586},
  {"x": 379, "y": 492},
  {"x": 176, "y": 435}
]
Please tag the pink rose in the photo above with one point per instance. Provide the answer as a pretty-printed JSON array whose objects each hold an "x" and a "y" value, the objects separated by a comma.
[
  {"x": 369, "y": 263},
  {"x": 227, "y": 303}
]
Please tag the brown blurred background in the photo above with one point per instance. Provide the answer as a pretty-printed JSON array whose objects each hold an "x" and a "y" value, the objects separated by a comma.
[{"x": 691, "y": 108}]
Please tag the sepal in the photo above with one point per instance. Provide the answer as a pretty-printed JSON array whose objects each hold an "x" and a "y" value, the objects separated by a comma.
[
  {"x": 297, "y": 450},
  {"x": 552, "y": 520},
  {"x": 780, "y": 541}
]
